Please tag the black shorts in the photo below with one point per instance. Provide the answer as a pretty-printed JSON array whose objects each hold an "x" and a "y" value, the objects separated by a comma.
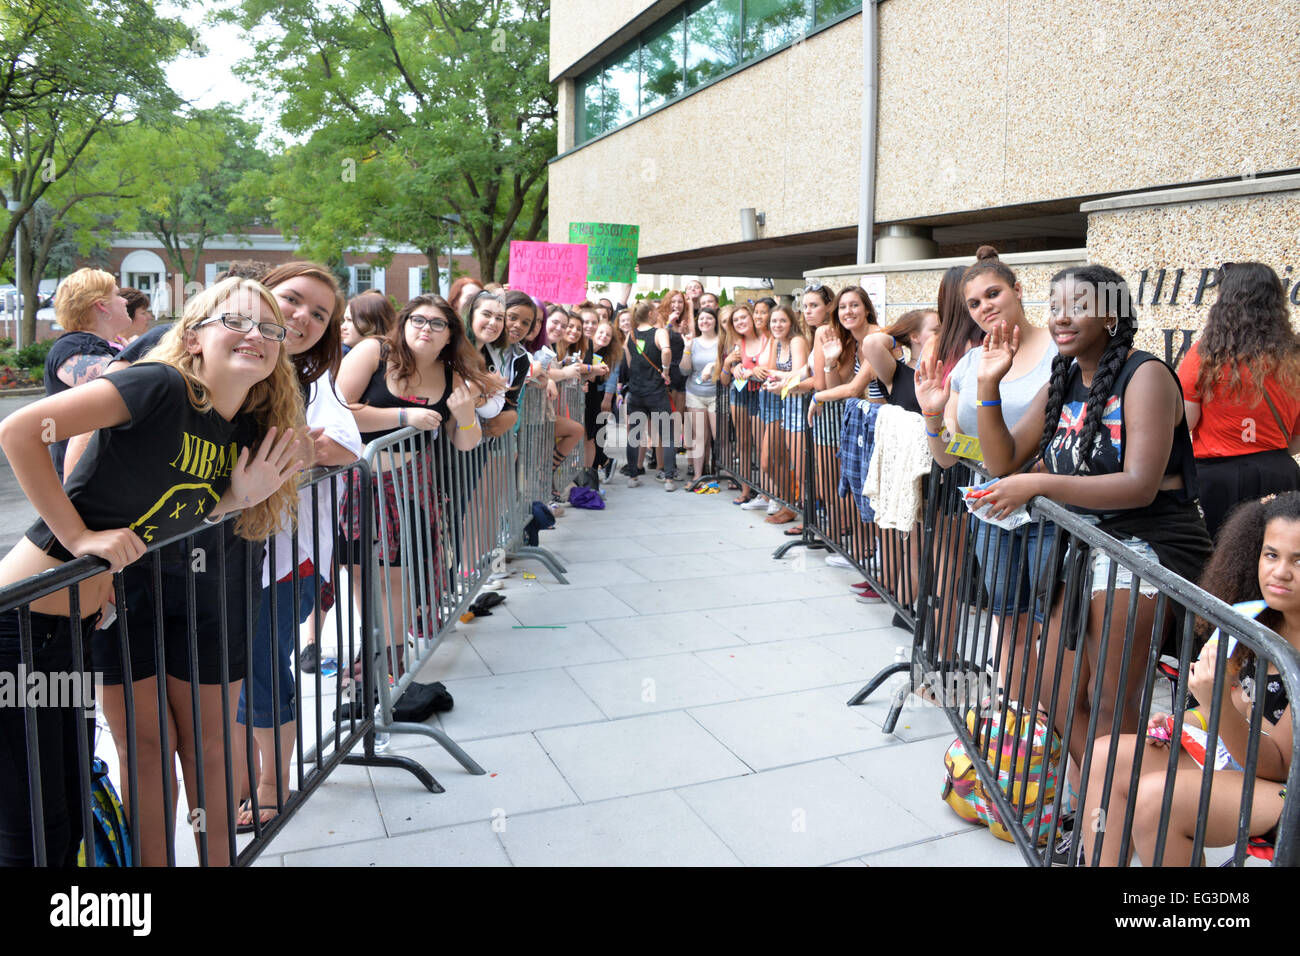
[{"x": 146, "y": 610}]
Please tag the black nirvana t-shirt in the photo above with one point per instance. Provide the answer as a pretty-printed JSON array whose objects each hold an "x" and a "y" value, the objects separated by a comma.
[{"x": 159, "y": 474}]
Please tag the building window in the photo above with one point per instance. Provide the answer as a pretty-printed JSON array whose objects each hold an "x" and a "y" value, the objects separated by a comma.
[
  {"x": 691, "y": 47},
  {"x": 365, "y": 279}
]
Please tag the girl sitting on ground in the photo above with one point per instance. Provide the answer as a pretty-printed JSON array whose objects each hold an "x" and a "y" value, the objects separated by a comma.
[{"x": 1256, "y": 567}]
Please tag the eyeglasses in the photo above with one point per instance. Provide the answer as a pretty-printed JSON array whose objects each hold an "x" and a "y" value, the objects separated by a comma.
[
  {"x": 436, "y": 325},
  {"x": 271, "y": 331}
]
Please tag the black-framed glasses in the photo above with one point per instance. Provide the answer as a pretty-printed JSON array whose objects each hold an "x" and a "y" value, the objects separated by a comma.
[
  {"x": 436, "y": 325},
  {"x": 271, "y": 331}
]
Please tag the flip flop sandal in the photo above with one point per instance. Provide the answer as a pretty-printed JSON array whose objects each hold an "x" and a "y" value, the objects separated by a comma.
[
  {"x": 793, "y": 532},
  {"x": 741, "y": 501}
]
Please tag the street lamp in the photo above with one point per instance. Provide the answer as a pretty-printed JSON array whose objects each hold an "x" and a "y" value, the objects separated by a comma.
[{"x": 14, "y": 205}]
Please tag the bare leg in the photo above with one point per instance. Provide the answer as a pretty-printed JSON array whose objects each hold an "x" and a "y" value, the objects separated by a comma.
[{"x": 148, "y": 754}]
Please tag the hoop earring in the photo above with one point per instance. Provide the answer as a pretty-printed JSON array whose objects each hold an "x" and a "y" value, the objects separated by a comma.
[{"x": 1112, "y": 329}]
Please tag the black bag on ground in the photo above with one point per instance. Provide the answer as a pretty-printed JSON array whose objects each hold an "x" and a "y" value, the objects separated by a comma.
[
  {"x": 588, "y": 478},
  {"x": 422, "y": 701}
]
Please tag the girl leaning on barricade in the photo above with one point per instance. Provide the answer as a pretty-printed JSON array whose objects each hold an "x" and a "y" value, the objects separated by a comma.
[
  {"x": 742, "y": 370},
  {"x": 209, "y": 426},
  {"x": 782, "y": 449},
  {"x": 1241, "y": 385},
  {"x": 1128, "y": 472},
  {"x": 1256, "y": 568},
  {"x": 700, "y": 366},
  {"x": 911, "y": 332},
  {"x": 848, "y": 376},
  {"x": 424, "y": 374},
  {"x": 312, "y": 305},
  {"x": 607, "y": 352},
  {"x": 950, "y": 403}
]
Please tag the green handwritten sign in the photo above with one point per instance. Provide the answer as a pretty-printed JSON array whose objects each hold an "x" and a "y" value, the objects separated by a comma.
[{"x": 611, "y": 249}]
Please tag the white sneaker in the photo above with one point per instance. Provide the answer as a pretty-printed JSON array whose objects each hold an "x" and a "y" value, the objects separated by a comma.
[
  {"x": 838, "y": 561},
  {"x": 758, "y": 504},
  {"x": 670, "y": 485},
  {"x": 773, "y": 507},
  {"x": 634, "y": 482}
]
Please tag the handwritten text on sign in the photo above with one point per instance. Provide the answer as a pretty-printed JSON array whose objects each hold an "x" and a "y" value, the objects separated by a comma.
[
  {"x": 613, "y": 249},
  {"x": 552, "y": 271}
]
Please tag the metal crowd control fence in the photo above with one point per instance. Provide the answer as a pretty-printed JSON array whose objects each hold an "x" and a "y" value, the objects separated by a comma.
[
  {"x": 1064, "y": 631},
  {"x": 212, "y": 581},
  {"x": 766, "y": 443},
  {"x": 571, "y": 405},
  {"x": 530, "y": 479}
]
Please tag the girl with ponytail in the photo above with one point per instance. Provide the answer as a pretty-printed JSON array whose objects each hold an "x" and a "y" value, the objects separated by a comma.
[{"x": 1107, "y": 437}]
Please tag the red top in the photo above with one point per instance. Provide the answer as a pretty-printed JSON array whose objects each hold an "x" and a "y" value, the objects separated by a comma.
[{"x": 1235, "y": 425}]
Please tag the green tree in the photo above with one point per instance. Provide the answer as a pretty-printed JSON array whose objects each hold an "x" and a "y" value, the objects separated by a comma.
[
  {"x": 69, "y": 71},
  {"x": 411, "y": 111},
  {"x": 196, "y": 168}
]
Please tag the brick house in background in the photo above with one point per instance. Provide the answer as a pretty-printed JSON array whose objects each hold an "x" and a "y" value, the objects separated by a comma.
[{"x": 137, "y": 260}]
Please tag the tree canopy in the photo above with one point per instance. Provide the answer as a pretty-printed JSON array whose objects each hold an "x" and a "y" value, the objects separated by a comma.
[{"x": 412, "y": 112}]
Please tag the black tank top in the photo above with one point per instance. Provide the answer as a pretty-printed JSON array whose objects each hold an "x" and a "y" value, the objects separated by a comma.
[
  {"x": 1106, "y": 457},
  {"x": 377, "y": 395},
  {"x": 644, "y": 380},
  {"x": 903, "y": 392}
]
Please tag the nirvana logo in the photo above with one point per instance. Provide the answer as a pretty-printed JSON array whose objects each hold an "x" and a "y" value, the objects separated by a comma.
[{"x": 205, "y": 459}]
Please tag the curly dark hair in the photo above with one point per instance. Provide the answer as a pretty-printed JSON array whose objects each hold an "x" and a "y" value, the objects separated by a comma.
[
  {"x": 1250, "y": 324},
  {"x": 1112, "y": 298},
  {"x": 957, "y": 330},
  {"x": 1232, "y": 574}
]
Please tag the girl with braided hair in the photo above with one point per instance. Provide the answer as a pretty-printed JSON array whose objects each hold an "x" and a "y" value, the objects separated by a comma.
[{"x": 1130, "y": 474}]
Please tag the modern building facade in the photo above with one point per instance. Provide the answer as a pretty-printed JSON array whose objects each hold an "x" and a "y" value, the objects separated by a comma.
[{"x": 1160, "y": 139}]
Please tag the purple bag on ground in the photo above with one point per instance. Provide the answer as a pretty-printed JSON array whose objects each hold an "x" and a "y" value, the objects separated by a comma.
[{"x": 586, "y": 498}]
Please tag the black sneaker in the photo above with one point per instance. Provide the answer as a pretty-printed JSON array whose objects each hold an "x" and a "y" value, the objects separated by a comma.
[
  {"x": 1065, "y": 844},
  {"x": 309, "y": 659},
  {"x": 606, "y": 470},
  {"x": 659, "y": 475}
]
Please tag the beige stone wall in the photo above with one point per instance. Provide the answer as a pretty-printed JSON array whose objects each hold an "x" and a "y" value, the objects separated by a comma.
[
  {"x": 1193, "y": 237},
  {"x": 578, "y": 26},
  {"x": 684, "y": 173},
  {"x": 982, "y": 103},
  {"x": 994, "y": 102}
]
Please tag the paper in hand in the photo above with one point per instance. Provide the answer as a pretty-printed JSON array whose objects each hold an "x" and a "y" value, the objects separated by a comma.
[{"x": 975, "y": 505}]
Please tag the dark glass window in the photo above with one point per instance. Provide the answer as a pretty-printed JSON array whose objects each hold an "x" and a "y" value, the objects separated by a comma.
[
  {"x": 712, "y": 40},
  {"x": 621, "y": 91},
  {"x": 692, "y": 46},
  {"x": 772, "y": 23},
  {"x": 590, "y": 119},
  {"x": 830, "y": 9},
  {"x": 661, "y": 63}
]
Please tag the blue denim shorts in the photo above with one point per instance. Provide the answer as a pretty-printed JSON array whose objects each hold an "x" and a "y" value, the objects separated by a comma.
[{"x": 998, "y": 552}]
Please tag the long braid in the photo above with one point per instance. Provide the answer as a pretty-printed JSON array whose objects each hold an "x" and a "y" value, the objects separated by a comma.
[
  {"x": 1055, "y": 401},
  {"x": 1112, "y": 299}
]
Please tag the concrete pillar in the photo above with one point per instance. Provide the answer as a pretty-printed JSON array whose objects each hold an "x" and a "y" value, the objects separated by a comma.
[{"x": 905, "y": 244}]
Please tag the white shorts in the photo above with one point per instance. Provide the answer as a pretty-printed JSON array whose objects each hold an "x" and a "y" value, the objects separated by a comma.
[{"x": 704, "y": 403}]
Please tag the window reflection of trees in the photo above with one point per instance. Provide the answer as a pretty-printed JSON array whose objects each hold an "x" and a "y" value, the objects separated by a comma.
[
  {"x": 714, "y": 35},
  {"x": 712, "y": 41}
]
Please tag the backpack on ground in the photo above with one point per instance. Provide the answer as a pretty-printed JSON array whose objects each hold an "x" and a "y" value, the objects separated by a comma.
[
  {"x": 1026, "y": 743},
  {"x": 110, "y": 840}
]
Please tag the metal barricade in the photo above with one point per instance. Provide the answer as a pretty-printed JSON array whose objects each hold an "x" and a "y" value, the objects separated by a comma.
[
  {"x": 199, "y": 597},
  {"x": 571, "y": 404},
  {"x": 1048, "y": 627},
  {"x": 761, "y": 443},
  {"x": 529, "y": 477}
]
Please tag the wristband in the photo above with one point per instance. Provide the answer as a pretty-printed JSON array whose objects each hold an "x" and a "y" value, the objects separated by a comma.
[
  {"x": 401, "y": 417},
  {"x": 812, "y": 402},
  {"x": 828, "y": 369},
  {"x": 207, "y": 520},
  {"x": 1201, "y": 718},
  {"x": 995, "y": 402},
  {"x": 465, "y": 428},
  {"x": 931, "y": 434}
]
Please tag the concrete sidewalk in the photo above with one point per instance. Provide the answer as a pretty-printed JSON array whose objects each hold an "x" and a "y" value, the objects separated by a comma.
[{"x": 688, "y": 708}]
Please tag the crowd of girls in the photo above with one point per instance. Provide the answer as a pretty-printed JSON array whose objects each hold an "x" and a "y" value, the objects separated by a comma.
[{"x": 277, "y": 373}]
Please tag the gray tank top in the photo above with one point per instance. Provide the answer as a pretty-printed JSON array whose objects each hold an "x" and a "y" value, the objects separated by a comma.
[
  {"x": 1017, "y": 393},
  {"x": 701, "y": 355}
]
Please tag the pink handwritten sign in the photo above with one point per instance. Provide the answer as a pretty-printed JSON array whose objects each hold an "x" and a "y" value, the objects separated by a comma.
[{"x": 552, "y": 271}]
